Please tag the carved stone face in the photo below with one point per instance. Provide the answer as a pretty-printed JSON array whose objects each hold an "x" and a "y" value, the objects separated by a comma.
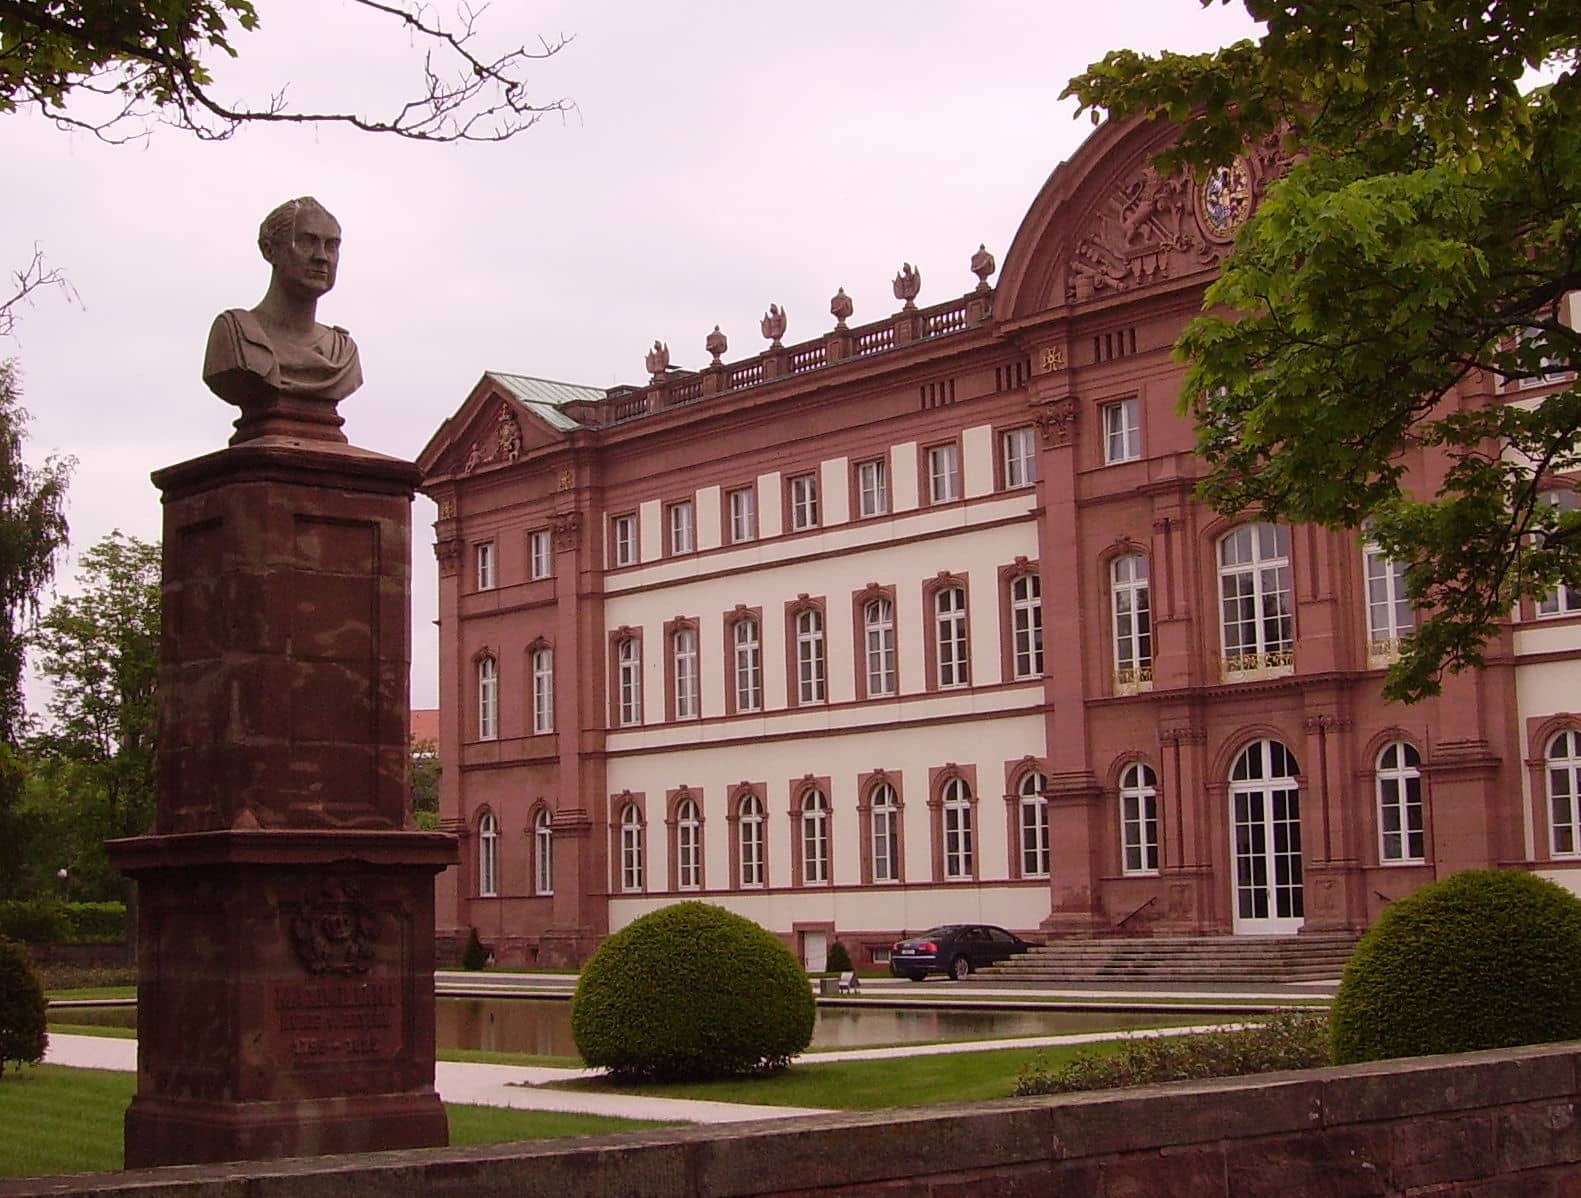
[{"x": 306, "y": 262}]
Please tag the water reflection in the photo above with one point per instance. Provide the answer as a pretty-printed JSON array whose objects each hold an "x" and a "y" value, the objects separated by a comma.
[{"x": 543, "y": 1026}]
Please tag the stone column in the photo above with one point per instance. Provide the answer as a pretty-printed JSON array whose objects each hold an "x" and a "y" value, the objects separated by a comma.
[{"x": 285, "y": 979}]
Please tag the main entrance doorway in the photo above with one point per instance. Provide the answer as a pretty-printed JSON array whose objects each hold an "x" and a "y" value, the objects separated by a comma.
[{"x": 1265, "y": 839}]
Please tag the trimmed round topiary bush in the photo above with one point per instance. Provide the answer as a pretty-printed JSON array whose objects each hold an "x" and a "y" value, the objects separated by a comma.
[
  {"x": 688, "y": 992},
  {"x": 1488, "y": 958},
  {"x": 474, "y": 956},
  {"x": 838, "y": 960},
  {"x": 23, "y": 1032}
]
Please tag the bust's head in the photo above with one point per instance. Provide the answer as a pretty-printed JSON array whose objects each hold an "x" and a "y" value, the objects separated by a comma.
[{"x": 301, "y": 240}]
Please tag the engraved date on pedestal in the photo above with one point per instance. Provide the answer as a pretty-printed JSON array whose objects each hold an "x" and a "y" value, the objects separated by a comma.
[{"x": 337, "y": 1021}]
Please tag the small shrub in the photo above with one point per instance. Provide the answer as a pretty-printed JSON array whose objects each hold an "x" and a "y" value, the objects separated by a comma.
[
  {"x": 838, "y": 960},
  {"x": 23, "y": 1033},
  {"x": 474, "y": 956},
  {"x": 689, "y": 992},
  {"x": 1285, "y": 1040},
  {"x": 1486, "y": 958},
  {"x": 34, "y": 921}
]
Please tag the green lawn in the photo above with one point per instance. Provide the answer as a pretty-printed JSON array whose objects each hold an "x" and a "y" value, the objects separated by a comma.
[{"x": 60, "y": 1120}]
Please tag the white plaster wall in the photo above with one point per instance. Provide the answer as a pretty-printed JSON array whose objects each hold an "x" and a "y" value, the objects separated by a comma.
[
  {"x": 903, "y": 477},
  {"x": 834, "y": 487},
  {"x": 650, "y": 526},
  {"x": 710, "y": 527},
  {"x": 1542, "y": 689},
  {"x": 1570, "y": 879},
  {"x": 977, "y": 460},
  {"x": 771, "y": 504}
]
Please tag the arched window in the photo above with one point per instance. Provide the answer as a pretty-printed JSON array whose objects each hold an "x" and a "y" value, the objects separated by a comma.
[
  {"x": 488, "y": 698},
  {"x": 1563, "y": 760},
  {"x": 809, "y": 656},
  {"x": 1254, "y": 598},
  {"x": 1139, "y": 820},
  {"x": 1131, "y": 608},
  {"x": 630, "y": 848},
  {"x": 957, "y": 813},
  {"x": 488, "y": 855},
  {"x": 949, "y": 625},
  {"x": 1400, "y": 805},
  {"x": 1265, "y": 822},
  {"x": 748, "y": 665},
  {"x": 688, "y": 846},
  {"x": 749, "y": 827},
  {"x": 814, "y": 838},
  {"x": 1034, "y": 821},
  {"x": 1026, "y": 625},
  {"x": 628, "y": 662},
  {"x": 878, "y": 623},
  {"x": 1390, "y": 617},
  {"x": 884, "y": 815},
  {"x": 542, "y": 691},
  {"x": 684, "y": 647},
  {"x": 543, "y": 851}
]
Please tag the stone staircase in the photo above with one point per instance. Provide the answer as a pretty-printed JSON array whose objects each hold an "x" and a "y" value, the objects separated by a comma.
[{"x": 1273, "y": 959}]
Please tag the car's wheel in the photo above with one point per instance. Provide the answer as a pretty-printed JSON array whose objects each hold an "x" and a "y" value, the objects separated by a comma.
[{"x": 960, "y": 968}]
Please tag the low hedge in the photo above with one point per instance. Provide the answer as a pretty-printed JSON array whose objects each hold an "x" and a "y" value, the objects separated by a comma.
[{"x": 49, "y": 921}]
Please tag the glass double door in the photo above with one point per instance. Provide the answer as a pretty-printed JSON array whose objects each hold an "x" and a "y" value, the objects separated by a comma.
[{"x": 1265, "y": 838}]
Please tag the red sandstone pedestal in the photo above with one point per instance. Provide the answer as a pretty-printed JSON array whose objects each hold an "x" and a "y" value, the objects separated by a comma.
[{"x": 285, "y": 970}]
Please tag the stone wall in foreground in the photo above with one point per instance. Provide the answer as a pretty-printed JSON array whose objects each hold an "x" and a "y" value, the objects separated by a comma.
[{"x": 1487, "y": 1124}]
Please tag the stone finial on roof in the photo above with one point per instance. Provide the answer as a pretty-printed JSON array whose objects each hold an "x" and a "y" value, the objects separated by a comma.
[
  {"x": 658, "y": 360},
  {"x": 773, "y": 325},
  {"x": 908, "y": 283},
  {"x": 983, "y": 265},
  {"x": 717, "y": 344},
  {"x": 840, "y": 307}
]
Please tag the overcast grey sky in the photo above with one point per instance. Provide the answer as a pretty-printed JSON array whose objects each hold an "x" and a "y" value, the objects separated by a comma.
[{"x": 724, "y": 156}]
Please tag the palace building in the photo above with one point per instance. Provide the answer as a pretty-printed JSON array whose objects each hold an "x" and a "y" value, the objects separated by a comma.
[{"x": 918, "y": 621}]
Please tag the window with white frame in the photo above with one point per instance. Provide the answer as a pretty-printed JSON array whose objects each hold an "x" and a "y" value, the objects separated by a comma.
[
  {"x": 688, "y": 846},
  {"x": 628, "y": 681},
  {"x": 1122, "y": 431},
  {"x": 540, "y": 554},
  {"x": 1034, "y": 812},
  {"x": 1399, "y": 781},
  {"x": 872, "y": 487},
  {"x": 1254, "y": 594},
  {"x": 1026, "y": 626},
  {"x": 749, "y": 830},
  {"x": 810, "y": 671},
  {"x": 878, "y": 626},
  {"x": 743, "y": 503},
  {"x": 1564, "y": 599},
  {"x": 484, "y": 556},
  {"x": 803, "y": 502},
  {"x": 1549, "y": 368},
  {"x": 1139, "y": 820},
  {"x": 488, "y": 698},
  {"x": 1131, "y": 611},
  {"x": 542, "y": 691},
  {"x": 683, "y": 537},
  {"x": 957, "y": 815},
  {"x": 683, "y": 647},
  {"x": 884, "y": 814},
  {"x": 814, "y": 838},
  {"x": 488, "y": 855},
  {"x": 1390, "y": 616},
  {"x": 1019, "y": 450},
  {"x": 949, "y": 629},
  {"x": 747, "y": 645},
  {"x": 623, "y": 540},
  {"x": 1563, "y": 762},
  {"x": 543, "y": 852},
  {"x": 631, "y": 857},
  {"x": 944, "y": 473}
]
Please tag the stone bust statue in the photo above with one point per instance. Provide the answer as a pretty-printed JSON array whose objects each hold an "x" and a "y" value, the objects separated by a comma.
[{"x": 275, "y": 361}]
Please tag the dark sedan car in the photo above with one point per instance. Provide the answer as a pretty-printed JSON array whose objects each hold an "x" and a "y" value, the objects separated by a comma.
[{"x": 953, "y": 948}]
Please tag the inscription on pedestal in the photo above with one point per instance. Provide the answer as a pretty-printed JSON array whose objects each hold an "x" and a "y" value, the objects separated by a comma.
[{"x": 336, "y": 1021}]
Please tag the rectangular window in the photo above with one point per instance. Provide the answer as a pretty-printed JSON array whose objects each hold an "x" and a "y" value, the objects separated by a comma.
[
  {"x": 743, "y": 515},
  {"x": 623, "y": 540},
  {"x": 949, "y": 629},
  {"x": 804, "y": 502},
  {"x": 1390, "y": 617},
  {"x": 540, "y": 554},
  {"x": 872, "y": 488},
  {"x": 484, "y": 555},
  {"x": 542, "y": 691},
  {"x": 1020, "y": 457},
  {"x": 1122, "y": 431},
  {"x": 680, "y": 524},
  {"x": 1026, "y": 620},
  {"x": 685, "y": 668},
  {"x": 1564, "y": 599},
  {"x": 809, "y": 656},
  {"x": 878, "y": 621},
  {"x": 944, "y": 473},
  {"x": 748, "y": 665},
  {"x": 628, "y": 656}
]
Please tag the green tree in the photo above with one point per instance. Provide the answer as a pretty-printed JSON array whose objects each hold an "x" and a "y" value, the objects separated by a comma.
[
  {"x": 423, "y": 781},
  {"x": 32, "y": 531},
  {"x": 99, "y": 649},
  {"x": 1427, "y": 234}
]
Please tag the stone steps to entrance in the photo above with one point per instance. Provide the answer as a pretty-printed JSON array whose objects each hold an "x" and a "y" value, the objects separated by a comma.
[{"x": 1266, "y": 959}]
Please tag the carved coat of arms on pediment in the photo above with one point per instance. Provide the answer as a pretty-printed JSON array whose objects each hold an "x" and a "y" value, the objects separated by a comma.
[{"x": 504, "y": 446}]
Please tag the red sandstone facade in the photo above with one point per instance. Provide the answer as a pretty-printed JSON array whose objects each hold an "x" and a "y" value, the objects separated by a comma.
[{"x": 918, "y": 620}]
